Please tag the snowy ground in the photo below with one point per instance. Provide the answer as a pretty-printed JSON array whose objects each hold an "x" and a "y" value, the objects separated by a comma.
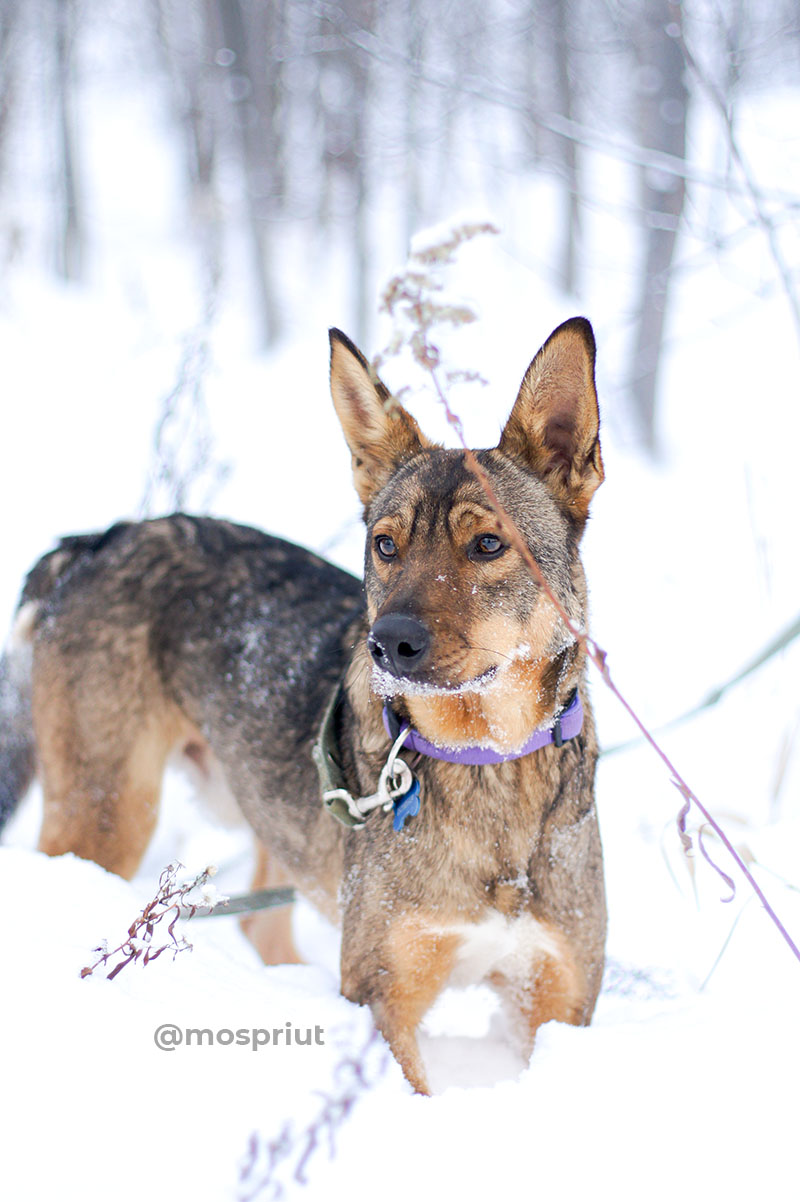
[{"x": 682, "y": 1084}]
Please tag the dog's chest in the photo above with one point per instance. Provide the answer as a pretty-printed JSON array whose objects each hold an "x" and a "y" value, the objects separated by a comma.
[{"x": 512, "y": 947}]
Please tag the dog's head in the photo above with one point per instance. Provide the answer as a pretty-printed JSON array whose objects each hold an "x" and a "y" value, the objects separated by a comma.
[{"x": 453, "y": 607}]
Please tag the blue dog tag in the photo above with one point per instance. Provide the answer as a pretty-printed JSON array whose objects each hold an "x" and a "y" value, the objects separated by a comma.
[{"x": 406, "y": 806}]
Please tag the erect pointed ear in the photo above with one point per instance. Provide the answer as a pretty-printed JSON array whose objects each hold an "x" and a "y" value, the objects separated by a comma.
[
  {"x": 378, "y": 431},
  {"x": 553, "y": 427}
]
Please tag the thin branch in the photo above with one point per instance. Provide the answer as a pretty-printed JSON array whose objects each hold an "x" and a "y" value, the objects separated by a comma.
[
  {"x": 598, "y": 657},
  {"x": 182, "y": 439},
  {"x": 765, "y": 219},
  {"x": 724, "y": 947},
  {"x": 411, "y": 291},
  {"x": 169, "y": 901},
  {"x": 773, "y": 648},
  {"x": 272, "y": 1164},
  {"x": 359, "y": 38}
]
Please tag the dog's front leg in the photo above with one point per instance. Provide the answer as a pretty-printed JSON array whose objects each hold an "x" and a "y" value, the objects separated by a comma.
[
  {"x": 401, "y": 1035},
  {"x": 552, "y": 989},
  {"x": 400, "y": 977},
  {"x": 270, "y": 931}
]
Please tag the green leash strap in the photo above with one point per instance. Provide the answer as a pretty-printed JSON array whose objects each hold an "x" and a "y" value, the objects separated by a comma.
[
  {"x": 242, "y": 903},
  {"x": 331, "y": 776}
]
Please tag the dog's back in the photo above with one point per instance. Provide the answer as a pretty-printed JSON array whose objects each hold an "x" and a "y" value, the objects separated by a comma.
[{"x": 134, "y": 643}]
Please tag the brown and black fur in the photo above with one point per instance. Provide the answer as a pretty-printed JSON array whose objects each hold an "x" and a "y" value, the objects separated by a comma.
[{"x": 224, "y": 644}]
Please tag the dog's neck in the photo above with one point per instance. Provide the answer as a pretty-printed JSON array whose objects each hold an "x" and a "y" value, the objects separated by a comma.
[
  {"x": 504, "y": 717},
  {"x": 567, "y": 725}
]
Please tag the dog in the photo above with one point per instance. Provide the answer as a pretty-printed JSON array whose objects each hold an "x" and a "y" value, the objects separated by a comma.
[{"x": 440, "y": 707}]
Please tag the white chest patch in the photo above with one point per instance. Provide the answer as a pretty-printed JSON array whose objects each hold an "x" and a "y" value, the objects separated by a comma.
[{"x": 512, "y": 946}]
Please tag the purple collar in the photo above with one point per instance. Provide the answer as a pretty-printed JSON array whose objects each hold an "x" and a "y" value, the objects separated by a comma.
[{"x": 567, "y": 725}]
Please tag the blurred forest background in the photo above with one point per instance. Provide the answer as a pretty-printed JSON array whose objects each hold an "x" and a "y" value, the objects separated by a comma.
[
  {"x": 343, "y": 128},
  {"x": 193, "y": 191}
]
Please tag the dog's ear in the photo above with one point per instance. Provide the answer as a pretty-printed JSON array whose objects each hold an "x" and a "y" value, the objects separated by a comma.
[
  {"x": 553, "y": 427},
  {"x": 378, "y": 431}
]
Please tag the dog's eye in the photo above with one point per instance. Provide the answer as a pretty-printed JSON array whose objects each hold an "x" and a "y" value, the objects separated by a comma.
[
  {"x": 385, "y": 546},
  {"x": 488, "y": 546}
]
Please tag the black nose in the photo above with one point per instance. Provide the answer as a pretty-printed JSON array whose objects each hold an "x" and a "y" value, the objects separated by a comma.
[{"x": 398, "y": 643}]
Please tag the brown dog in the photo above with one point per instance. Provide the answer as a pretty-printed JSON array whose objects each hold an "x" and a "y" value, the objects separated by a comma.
[{"x": 242, "y": 651}]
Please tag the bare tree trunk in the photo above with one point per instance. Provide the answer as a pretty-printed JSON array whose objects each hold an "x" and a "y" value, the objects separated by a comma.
[
  {"x": 663, "y": 110},
  {"x": 184, "y": 38},
  {"x": 530, "y": 42},
  {"x": 413, "y": 85},
  {"x": 363, "y": 301},
  {"x": 360, "y": 166},
  {"x": 70, "y": 239},
  {"x": 240, "y": 91},
  {"x": 347, "y": 152},
  {"x": 550, "y": 87},
  {"x": 568, "y": 150},
  {"x": 9, "y": 14}
]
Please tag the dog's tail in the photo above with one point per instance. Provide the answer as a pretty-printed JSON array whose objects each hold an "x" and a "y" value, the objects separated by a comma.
[
  {"x": 17, "y": 747},
  {"x": 17, "y": 752}
]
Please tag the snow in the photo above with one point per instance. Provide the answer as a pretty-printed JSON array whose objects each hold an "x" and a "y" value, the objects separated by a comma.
[
  {"x": 387, "y": 685},
  {"x": 681, "y": 1086},
  {"x": 682, "y": 1091}
]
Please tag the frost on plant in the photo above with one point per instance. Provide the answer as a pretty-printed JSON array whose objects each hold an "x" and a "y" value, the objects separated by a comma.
[
  {"x": 410, "y": 299},
  {"x": 140, "y": 942}
]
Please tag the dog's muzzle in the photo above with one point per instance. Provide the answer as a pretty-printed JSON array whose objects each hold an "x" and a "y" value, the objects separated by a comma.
[{"x": 399, "y": 644}]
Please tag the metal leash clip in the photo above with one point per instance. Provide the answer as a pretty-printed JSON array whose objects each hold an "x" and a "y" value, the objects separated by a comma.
[{"x": 396, "y": 781}]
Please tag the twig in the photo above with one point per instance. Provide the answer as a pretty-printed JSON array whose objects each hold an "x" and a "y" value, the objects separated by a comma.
[
  {"x": 724, "y": 947},
  {"x": 291, "y": 1151},
  {"x": 182, "y": 439},
  {"x": 776, "y": 645},
  {"x": 753, "y": 191},
  {"x": 138, "y": 944}
]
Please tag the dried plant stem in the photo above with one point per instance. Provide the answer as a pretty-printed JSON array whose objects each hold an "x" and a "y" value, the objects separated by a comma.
[
  {"x": 170, "y": 902},
  {"x": 410, "y": 292},
  {"x": 598, "y": 657},
  {"x": 269, "y": 1165}
]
